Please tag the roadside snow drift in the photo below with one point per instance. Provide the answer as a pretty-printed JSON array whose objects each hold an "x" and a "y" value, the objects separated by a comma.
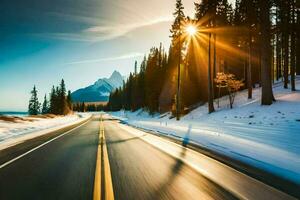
[{"x": 15, "y": 130}]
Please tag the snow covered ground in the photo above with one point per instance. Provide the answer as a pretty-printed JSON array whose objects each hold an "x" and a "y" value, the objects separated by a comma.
[
  {"x": 263, "y": 136},
  {"x": 18, "y": 130}
]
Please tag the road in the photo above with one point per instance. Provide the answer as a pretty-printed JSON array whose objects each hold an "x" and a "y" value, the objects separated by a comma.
[
  {"x": 140, "y": 171},
  {"x": 65, "y": 168},
  {"x": 62, "y": 169}
]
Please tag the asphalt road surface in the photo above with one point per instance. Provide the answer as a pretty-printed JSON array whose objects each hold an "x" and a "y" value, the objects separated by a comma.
[
  {"x": 140, "y": 171},
  {"x": 65, "y": 168},
  {"x": 62, "y": 169}
]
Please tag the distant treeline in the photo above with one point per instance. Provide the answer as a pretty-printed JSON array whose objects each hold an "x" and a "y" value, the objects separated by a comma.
[
  {"x": 89, "y": 107},
  {"x": 257, "y": 41},
  {"x": 59, "y": 103}
]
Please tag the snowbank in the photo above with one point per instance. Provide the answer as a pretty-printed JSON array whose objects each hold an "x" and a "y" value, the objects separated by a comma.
[
  {"x": 263, "y": 136},
  {"x": 13, "y": 132}
]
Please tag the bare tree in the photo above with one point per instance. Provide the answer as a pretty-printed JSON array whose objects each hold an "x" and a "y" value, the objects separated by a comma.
[{"x": 229, "y": 82}]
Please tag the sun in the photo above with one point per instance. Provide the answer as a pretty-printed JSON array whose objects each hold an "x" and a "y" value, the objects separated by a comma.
[{"x": 191, "y": 30}]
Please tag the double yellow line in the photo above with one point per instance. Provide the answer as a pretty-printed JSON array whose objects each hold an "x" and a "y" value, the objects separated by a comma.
[{"x": 103, "y": 188}]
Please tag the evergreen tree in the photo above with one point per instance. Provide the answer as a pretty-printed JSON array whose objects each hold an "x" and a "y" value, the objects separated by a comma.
[
  {"x": 179, "y": 19},
  {"x": 206, "y": 14},
  {"x": 53, "y": 101},
  {"x": 249, "y": 18},
  {"x": 83, "y": 107},
  {"x": 45, "y": 106},
  {"x": 141, "y": 85},
  {"x": 176, "y": 32},
  {"x": 201, "y": 10},
  {"x": 34, "y": 105},
  {"x": 58, "y": 105},
  {"x": 69, "y": 101},
  {"x": 63, "y": 107}
]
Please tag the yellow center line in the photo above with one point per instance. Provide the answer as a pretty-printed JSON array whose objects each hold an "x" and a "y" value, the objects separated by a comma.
[
  {"x": 97, "y": 181},
  {"x": 107, "y": 193}
]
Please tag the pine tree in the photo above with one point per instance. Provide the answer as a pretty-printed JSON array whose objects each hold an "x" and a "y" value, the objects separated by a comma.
[
  {"x": 34, "y": 105},
  {"x": 53, "y": 101},
  {"x": 57, "y": 101},
  {"x": 179, "y": 19},
  {"x": 176, "y": 32},
  {"x": 83, "y": 107},
  {"x": 63, "y": 107},
  {"x": 141, "y": 85},
  {"x": 201, "y": 10},
  {"x": 206, "y": 13},
  {"x": 249, "y": 18},
  {"x": 69, "y": 101},
  {"x": 45, "y": 107}
]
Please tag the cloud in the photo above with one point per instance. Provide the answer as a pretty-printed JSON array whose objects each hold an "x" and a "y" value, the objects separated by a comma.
[
  {"x": 118, "y": 30},
  {"x": 75, "y": 18},
  {"x": 122, "y": 57},
  {"x": 98, "y": 33},
  {"x": 76, "y": 37}
]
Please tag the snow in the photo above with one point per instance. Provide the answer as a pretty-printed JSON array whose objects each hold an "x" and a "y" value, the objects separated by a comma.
[
  {"x": 263, "y": 136},
  {"x": 12, "y": 133}
]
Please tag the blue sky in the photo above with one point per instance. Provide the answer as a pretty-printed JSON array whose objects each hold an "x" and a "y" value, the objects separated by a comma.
[{"x": 42, "y": 41}]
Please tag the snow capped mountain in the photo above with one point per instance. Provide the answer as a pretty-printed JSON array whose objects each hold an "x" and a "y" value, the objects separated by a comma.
[{"x": 100, "y": 90}]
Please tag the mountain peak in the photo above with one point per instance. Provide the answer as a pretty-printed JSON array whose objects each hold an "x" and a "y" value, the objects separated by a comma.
[
  {"x": 116, "y": 79},
  {"x": 115, "y": 74},
  {"x": 100, "y": 90}
]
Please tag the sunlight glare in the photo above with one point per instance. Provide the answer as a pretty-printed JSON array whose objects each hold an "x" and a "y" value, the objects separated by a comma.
[{"x": 191, "y": 30}]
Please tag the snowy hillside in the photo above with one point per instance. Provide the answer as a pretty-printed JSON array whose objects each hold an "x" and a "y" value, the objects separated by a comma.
[
  {"x": 100, "y": 90},
  {"x": 262, "y": 136}
]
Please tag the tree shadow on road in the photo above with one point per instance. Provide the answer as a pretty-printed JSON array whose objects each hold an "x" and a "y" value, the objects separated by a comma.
[
  {"x": 125, "y": 140},
  {"x": 175, "y": 170}
]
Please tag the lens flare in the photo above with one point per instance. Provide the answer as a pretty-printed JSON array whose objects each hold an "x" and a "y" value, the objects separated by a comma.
[{"x": 191, "y": 30}]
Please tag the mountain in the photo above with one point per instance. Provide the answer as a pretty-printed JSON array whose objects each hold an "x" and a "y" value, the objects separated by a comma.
[{"x": 100, "y": 90}]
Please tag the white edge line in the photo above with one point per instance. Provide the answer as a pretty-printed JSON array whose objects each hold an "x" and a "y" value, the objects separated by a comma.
[{"x": 41, "y": 145}]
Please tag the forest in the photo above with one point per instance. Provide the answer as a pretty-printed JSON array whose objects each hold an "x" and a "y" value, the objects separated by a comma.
[
  {"x": 255, "y": 41},
  {"x": 59, "y": 103}
]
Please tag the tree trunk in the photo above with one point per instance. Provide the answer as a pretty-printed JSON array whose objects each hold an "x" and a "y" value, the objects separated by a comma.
[
  {"x": 278, "y": 47},
  {"x": 278, "y": 57},
  {"x": 265, "y": 42},
  {"x": 293, "y": 53},
  {"x": 209, "y": 77},
  {"x": 298, "y": 42},
  {"x": 214, "y": 64},
  {"x": 273, "y": 59},
  {"x": 249, "y": 68},
  {"x": 286, "y": 44},
  {"x": 178, "y": 96}
]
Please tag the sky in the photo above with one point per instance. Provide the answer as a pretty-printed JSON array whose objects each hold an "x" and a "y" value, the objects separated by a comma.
[{"x": 43, "y": 41}]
